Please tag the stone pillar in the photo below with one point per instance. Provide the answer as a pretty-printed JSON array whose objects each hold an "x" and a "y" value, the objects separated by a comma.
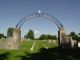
[
  {"x": 16, "y": 38},
  {"x": 61, "y": 37}
]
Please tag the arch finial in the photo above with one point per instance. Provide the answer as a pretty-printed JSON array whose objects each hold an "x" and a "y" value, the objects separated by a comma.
[{"x": 39, "y": 11}]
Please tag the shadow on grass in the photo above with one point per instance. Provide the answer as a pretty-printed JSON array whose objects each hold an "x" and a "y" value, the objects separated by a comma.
[
  {"x": 54, "y": 54},
  {"x": 4, "y": 56}
]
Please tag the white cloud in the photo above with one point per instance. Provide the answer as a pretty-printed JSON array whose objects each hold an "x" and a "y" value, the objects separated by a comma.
[{"x": 36, "y": 32}]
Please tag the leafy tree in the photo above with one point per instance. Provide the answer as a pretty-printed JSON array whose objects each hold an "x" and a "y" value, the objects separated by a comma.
[
  {"x": 10, "y": 32},
  {"x": 46, "y": 37},
  {"x": 78, "y": 36},
  {"x": 52, "y": 37},
  {"x": 5, "y": 36},
  {"x": 55, "y": 37},
  {"x": 1, "y": 36},
  {"x": 74, "y": 35},
  {"x": 43, "y": 37},
  {"x": 30, "y": 34}
]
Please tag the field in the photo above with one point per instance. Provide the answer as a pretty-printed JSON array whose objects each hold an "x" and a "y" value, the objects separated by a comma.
[
  {"x": 40, "y": 50},
  {"x": 27, "y": 48}
]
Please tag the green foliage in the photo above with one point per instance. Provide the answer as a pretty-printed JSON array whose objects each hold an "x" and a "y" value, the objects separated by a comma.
[
  {"x": 78, "y": 39},
  {"x": 10, "y": 32},
  {"x": 74, "y": 36},
  {"x": 52, "y": 37},
  {"x": 46, "y": 37},
  {"x": 30, "y": 34},
  {"x": 1, "y": 36},
  {"x": 5, "y": 36},
  {"x": 72, "y": 33},
  {"x": 78, "y": 36},
  {"x": 43, "y": 37}
]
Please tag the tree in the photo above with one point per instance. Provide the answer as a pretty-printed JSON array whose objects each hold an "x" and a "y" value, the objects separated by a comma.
[
  {"x": 74, "y": 35},
  {"x": 30, "y": 34},
  {"x": 46, "y": 37},
  {"x": 1, "y": 36},
  {"x": 43, "y": 37},
  {"x": 78, "y": 36},
  {"x": 55, "y": 37},
  {"x": 10, "y": 32},
  {"x": 5, "y": 36},
  {"x": 52, "y": 37}
]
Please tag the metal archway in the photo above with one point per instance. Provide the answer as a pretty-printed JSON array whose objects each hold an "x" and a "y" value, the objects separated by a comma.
[
  {"x": 61, "y": 32},
  {"x": 63, "y": 40},
  {"x": 39, "y": 14}
]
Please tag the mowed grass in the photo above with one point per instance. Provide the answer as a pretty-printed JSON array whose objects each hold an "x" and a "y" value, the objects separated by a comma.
[{"x": 25, "y": 48}]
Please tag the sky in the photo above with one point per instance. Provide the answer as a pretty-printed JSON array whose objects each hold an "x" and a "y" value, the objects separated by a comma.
[{"x": 66, "y": 11}]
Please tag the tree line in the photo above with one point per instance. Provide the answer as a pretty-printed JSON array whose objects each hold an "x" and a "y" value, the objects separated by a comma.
[{"x": 30, "y": 35}]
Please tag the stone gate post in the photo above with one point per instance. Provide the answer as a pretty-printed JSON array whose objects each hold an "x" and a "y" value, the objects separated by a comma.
[
  {"x": 61, "y": 37},
  {"x": 16, "y": 38}
]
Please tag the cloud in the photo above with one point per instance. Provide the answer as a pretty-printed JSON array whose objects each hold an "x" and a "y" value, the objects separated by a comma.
[{"x": 36, "y": 32}]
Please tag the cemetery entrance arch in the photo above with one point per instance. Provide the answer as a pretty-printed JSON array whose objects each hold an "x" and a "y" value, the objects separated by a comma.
[{"x": 61, "y": 32}]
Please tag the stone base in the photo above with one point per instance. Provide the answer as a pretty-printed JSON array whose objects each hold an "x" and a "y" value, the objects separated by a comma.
[{"x": 12, "y": 43}]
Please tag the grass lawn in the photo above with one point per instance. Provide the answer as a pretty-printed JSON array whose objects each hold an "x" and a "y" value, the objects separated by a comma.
[{"x": 25, "y": 49}]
